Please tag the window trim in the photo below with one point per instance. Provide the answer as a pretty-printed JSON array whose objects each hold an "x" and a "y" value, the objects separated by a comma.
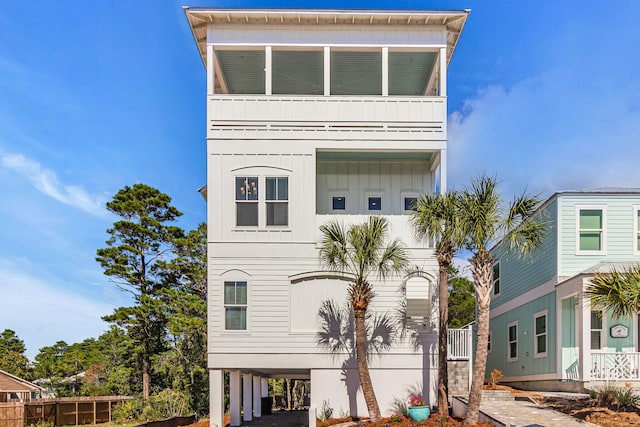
[
  {"x": 406, "y": 195},
  {"x": 603, "y": 331},
  {"x": 509, "y": 358},
  {"x": 370, "y": 194},
  {"x": 536, "y": 316},
  {"x": 224, "y": 309},
  {"x": 493, "y": 281},
  {"x": 275, "y": 201},
  {"x": 636, "y": 231},
  {"x": 603, "y": 231}
]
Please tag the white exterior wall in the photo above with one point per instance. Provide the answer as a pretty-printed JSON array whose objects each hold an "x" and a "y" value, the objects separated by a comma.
[{"x": 267, "y": 135}]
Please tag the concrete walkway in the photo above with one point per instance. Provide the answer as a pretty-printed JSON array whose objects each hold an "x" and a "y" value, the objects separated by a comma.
[{"x": 528, "y": 414}]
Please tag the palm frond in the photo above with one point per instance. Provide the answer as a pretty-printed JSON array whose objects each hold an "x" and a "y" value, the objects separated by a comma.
[
  {"x": 334, "y": 251},
  {"x": 618, "y": 291}
]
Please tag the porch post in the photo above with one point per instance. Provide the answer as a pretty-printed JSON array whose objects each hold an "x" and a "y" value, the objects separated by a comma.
[
  {"x": 257, "y": 402},
  {"x": 265, "y": 387},
  {"x": 216, "y": 398},
  {"x": 585, "y": 338},
  {"x": 234, "y": 398},
  {"x": 247, "y": 397}
]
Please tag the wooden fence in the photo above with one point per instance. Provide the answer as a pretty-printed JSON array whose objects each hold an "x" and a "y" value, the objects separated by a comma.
[
  {"x": 11, "y": 414},
  {"x": 66, "y": 411}
]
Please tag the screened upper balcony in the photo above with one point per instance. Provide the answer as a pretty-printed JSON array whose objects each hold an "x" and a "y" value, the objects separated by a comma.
[{"x": 327, "y": 71}]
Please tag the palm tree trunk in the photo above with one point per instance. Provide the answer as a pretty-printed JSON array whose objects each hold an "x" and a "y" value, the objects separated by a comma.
[
  {"x": 363, "y": 367},
  {"x": 443, "y": 331}
]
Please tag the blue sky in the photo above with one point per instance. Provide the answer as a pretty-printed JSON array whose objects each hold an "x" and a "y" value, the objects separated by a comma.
[{"x": 96, "y": 95}]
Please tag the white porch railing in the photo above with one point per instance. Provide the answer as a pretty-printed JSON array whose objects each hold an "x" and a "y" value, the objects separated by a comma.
[
  {"x": 615, "y": 366},
  {"x": 459, "y": 344}
]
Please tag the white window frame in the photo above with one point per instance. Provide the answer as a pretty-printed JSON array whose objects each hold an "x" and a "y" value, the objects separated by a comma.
[
  {"x": 536, "y": 316},
  {"x": 603, "y": 231},
  {"x": 266, "y": 201},
  {"x": 509, "y": 358},
  {"x": 339, "y": 193},
  {"x": 383, "y": 208},
  {"x": 262, "y": 202},
  {"x": 224, "y": 308},
  {"x": 603, "y": 331},
  {"x": 636, "y": 232},
  {"x": 493, "y": 280},
  {"x": 408, "y": 194}
]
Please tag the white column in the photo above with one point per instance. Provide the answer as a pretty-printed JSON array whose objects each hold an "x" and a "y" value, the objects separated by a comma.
[
  {"x": 385, "y": 71},
  {"x": 247, "y": 397},
  {"x": 443, "y": 171},
  {"x": 216, "y": 398},
  {"x": 257, "y": 402},
  {"x": 327, "y": 71},
  {"x": 584, "y": 346},
  {"x": 267, "y": 64},
  {"x": 265, "y": 387},
  {"x": 443, "y": 71},
  {"x": 211, "y": 73},
  {"x": 234, "y": 398}
]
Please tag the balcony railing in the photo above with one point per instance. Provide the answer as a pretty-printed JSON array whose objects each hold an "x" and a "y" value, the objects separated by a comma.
[
  {"x": 615, "y": 366},
  {"x": 459, "y": 344},
  {"x": 319, "y": 117}
]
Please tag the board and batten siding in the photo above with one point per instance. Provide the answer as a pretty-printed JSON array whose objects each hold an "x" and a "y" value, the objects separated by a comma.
[
  {"x": 223, "y": 168},
  {"x": 520, "y": 274},
  {"x": 526, "y": 363},
  {"x": 356, "y": 180},
  {"x": 273, "y": 326},
  {"x": 620, "y": 236}
]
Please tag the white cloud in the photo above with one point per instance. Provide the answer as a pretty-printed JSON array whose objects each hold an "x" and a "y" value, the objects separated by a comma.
[
  {"x": 47, "y": 182},
  {"x": 42, "y": 313},
  {"x": 550, "y": 132}
]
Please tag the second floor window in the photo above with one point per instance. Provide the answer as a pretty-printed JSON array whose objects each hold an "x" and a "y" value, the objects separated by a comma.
[
  {"x": 247, "y": 201},
  {"x": 496, "y": 278},
  {"x": 590, "y": 231},
  {"x": 277, "y": 201}
]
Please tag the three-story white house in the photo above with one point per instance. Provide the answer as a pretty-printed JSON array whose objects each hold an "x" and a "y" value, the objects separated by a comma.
[{"x": 314, "y": 115}]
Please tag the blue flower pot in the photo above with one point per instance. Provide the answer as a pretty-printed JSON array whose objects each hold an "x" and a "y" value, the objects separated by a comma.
[{"x": 419, "y": 413}]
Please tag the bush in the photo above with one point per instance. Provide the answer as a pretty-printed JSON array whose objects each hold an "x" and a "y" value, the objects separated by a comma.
[
  {"x": 128, "y": 411},
  {"x": 626, "y": 399},
  {"x": 166, "y": 404},
  {"x": 326, "y": 411},
  {"x": 605, "y": 396}
]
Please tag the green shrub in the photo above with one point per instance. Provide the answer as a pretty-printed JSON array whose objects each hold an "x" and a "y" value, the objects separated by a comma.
[
  {"x": 626, "y": 399},
  {"x": 168, "y": 404},
  {"x": 606, "y": 396},
  {"x": 326, "y": 411},
  {"x": 128, "y": 411}
]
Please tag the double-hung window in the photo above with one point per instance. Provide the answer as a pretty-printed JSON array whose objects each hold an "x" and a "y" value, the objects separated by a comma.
[
  {"x": 235, "y": 306},
  {"x": 512, "y": 347},
  {"x": 496, "y": 278},
  {"x": 591, "y": 230},
  {"x": 636, "y": 230},
  {"x": 277, "y": 200},
  {"x": 247, "y": 201},
  {"x": 540, "y": 334},
  {"x": 596, "y": 330}
]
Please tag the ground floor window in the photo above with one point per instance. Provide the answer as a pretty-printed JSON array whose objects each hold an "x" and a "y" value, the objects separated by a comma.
[
  {"x": 596, "y": 329},
  {"x": 512, "y": 348},
  {"x": 540, "y": 334},
  {"x": 235, "y": 306}
]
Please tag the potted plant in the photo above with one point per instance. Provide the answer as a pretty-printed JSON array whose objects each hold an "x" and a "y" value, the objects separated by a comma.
[{"x": 418, "y": 411}]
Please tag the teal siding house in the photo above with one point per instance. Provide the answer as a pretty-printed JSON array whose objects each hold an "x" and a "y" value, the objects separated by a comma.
[{"x": 544, "y": 333}]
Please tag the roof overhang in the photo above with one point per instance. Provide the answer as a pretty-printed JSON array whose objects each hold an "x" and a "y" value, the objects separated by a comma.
[{"x": 200, "y": 18}]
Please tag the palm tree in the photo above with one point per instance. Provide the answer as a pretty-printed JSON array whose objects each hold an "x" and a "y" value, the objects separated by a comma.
[
  {"x": 358, "y": 252},
  {"x": 438, "y": 218},
  {"x": 618, "y": 291},
  {"x": 486, "y": 222}
]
